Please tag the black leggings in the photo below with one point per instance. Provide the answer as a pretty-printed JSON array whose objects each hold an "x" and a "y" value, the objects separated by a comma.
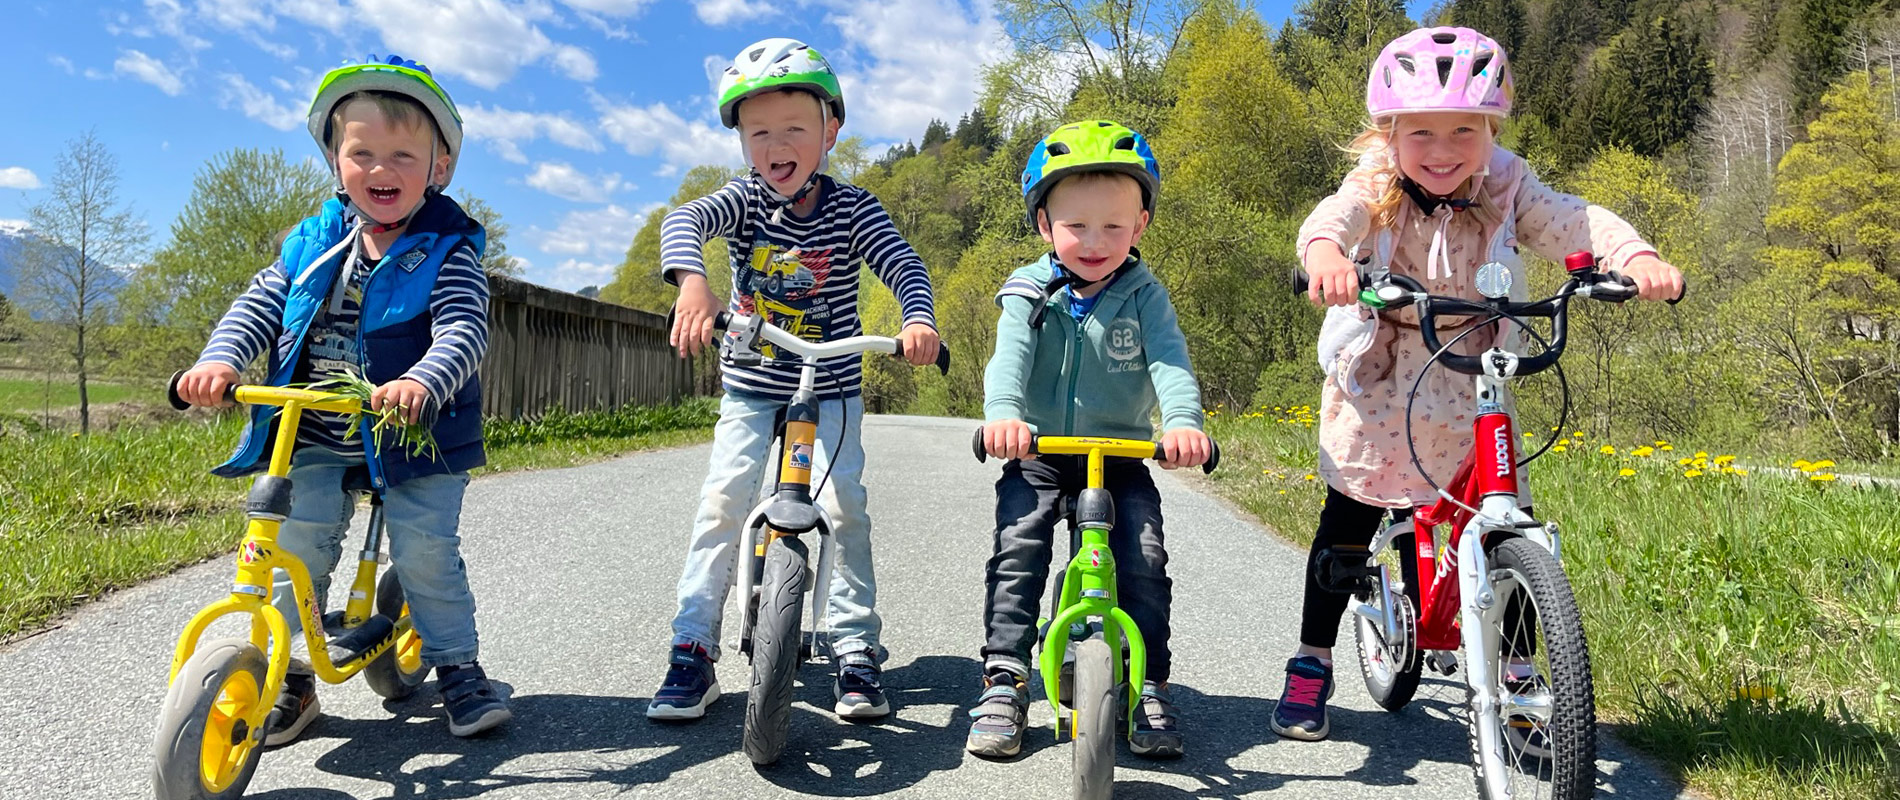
[{"x": 1345, "y": 521}]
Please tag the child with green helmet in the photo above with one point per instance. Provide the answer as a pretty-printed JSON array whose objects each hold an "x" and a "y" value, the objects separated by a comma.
[
  {"x": 385, "y": 280},
  {"x": 1090, "y": 190},
  {"x": 796, "y": 238}
]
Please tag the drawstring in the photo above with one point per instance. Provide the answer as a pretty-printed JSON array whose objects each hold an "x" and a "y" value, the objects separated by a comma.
[
  {"x": 1440, "y": 252},
  {"x": 355, "y": 241}
]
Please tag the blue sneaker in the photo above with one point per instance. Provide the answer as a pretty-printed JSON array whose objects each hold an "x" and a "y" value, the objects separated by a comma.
[
  {"x": 1301, "y": 712},
  {"x": 471, "y": 700},
  {"x": 859, "y": 692},
  {"x": 689, "y": 686}
]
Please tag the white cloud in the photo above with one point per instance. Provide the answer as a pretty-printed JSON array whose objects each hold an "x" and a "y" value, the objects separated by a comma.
[
  {"x": 329, "y": 15},
  {"x": 168, "y": 17},
  {"x": 505, "y": 130},
  {"x": 16, "y": 227},
  {"x": 576, "y": 63},
  {"x": 62, "y": 62},
  {"x": 720, "y": 12},
  {"x": 235, "y": 15},
  {"x": 257, "y": 104},
  {"x": 612, "y": 8},
  {"x": 574, "y": 274},
  {"x": 601, "y": 234},
  {"x": 483, "y": 41},
  {"x": 607, "y": 29},
  {"x": 924, "y": 61},
  {"x": 18, "y": 178},
  {"x": 149, "y": 70},
  {"x": 564, "y": 181},
  {"x": 657, "y": 130}
]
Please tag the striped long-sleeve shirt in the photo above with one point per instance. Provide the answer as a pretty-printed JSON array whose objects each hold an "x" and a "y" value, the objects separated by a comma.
[
  {"x": 458, "y": 307},
  {"x": 801, "y": 272}
]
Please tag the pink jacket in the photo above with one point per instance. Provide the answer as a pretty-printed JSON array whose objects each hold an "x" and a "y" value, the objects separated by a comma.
[{"x": 1366, "y": 356}]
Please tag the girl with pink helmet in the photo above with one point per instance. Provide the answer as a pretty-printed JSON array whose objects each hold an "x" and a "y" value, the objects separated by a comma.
[{"x": 1433, "y": 197}]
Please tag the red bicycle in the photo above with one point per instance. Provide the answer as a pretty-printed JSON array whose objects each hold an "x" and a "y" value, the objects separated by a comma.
[{"x": 1486, "y": 577}]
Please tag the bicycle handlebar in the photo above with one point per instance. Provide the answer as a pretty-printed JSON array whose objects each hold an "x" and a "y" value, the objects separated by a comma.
[
  {"x": 283, "y": 395},
  {"x": 1081, "y": 445},
  {"x": 726, "y": 320},
  {"x": 1384, "y": 290}
]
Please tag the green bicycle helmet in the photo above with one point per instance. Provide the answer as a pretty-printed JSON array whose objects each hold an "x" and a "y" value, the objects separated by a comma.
[
  {"x": 774, "y": 65},
  {"x": 398, "y": 76},
  {"x": 1093, "y": 146}
]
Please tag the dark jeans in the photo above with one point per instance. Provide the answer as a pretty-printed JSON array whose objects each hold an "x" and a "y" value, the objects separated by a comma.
[
  {"x": 1026, "y": 518},
  {"x": 1343, "y": 520}
]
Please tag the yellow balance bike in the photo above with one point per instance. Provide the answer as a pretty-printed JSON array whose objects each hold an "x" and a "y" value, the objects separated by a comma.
[{"x": 211, "y": 727}]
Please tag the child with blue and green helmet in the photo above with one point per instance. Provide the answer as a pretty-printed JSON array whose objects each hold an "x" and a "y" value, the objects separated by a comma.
[
  {"x": 1087, "y": 344},
  {"x": 796, "y": 238},
  {"x": 385, "y": 280}
]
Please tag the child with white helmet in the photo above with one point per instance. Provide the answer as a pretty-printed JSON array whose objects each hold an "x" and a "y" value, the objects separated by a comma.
[
  {"x": 385, "y": 281},
  {"x": 796, "y": 238},
  {"x": 1432, "y": 197}
]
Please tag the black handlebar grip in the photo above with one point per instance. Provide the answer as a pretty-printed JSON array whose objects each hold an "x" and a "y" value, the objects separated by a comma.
[
  {"x": 976, "y": 446},
  {"x": 171, "y": 392},
  {"x": 1213, "y": 458},
  {"x": 722, "y": 320},
  {"x": 943, "y": 355},
  {"x": 1300, "y": 280}
]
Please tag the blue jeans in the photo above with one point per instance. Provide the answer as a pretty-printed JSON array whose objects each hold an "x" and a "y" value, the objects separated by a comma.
[
  {"x": 742, "y": 443},
  {"x": 421, "y": 514}
]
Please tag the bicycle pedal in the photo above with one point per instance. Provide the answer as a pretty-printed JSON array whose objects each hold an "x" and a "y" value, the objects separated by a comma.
[{"x": 1441, "y": 662}]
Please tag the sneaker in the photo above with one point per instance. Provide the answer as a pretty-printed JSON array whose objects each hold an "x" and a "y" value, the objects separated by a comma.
[
  {"x": 470, "y": 698},
  {"x": 857, "y": 689},
  {"x": 1301, "y": 712},
  {"x": 1000, "y": 716},
  {"x": 296, "y": 706},
  {"x": 689, "y": 686},
  {"x": 1157, "y": 731},
  {"x": 1524, "y": 735}
]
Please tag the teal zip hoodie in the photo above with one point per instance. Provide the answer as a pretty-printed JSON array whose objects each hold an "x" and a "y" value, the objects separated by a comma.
[{"x": 1102, "y": 375}]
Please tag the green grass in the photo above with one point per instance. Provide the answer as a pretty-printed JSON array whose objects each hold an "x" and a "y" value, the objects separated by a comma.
[
  {"x": 1693, "y": 588},
  {"x": 82, "y": 516},
  {"x": 29, "y": 395}
]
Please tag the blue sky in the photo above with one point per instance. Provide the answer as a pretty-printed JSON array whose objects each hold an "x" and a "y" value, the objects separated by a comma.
[{"x": 580, "y": 114}]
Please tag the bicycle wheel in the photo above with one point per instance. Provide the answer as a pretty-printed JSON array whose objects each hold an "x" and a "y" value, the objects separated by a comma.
[
  {"x": 775, "y": 644},
  {"x": 398, "y": 672},
  {"x": 1092, "y": 722},
  {"x": 1540, "y": 739},
  {"x": 1391, "y": 668},
  {"x": 205, "y": 750}
]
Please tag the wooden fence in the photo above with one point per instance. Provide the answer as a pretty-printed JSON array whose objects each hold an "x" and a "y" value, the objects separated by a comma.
[{"x": 549, "y": 349}]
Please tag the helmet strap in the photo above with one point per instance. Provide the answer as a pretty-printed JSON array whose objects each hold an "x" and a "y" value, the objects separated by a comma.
[
  {"x": 1066, "y": 278},
  {"x": 782, "y": 202}
]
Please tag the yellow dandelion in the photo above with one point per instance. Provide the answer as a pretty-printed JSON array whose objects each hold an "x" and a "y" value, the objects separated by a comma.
[
  {"x": 1578, "y": 435},
  {"x": 1563, "y": 442},
  {"x": 1823, "y": 477},
  {"x": 1824, "y": 464},
  {"x": 1607, "y": 450},
  {"x": 1310, "y": 476},
  {"x": 1683, "y": 462},
  {"x": 1643, "y": 452},
  {"x": 1724, "y": 461},
  {"x": 1694, "y": 473},
  {"x": 1667, "y": 448},
  {"x": 1625, "y": 472},
  {"x": 1802, "y": 465},
  {"x": 1660, "y": 443},
  {"x": 1282, "y": 491},
  {"x": 1738, "y": 471},
  {"x": 1558, "y": 449},
  {"x": 1701, "y": 454}
]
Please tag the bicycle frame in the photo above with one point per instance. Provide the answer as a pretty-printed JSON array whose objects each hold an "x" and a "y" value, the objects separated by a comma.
[
  {"x": 258, "y": 555},
  {"x": 1088, "y": 584}
]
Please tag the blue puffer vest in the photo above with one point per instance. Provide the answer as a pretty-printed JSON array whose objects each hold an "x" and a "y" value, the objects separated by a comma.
[{"x": 392, "y": 335}]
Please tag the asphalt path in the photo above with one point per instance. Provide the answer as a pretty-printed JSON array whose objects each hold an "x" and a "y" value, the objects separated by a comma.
[{"x": 574, "y": 572}]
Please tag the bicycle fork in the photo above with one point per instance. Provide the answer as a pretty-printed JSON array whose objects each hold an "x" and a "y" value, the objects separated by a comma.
[{"x": 1088, "y": 590}]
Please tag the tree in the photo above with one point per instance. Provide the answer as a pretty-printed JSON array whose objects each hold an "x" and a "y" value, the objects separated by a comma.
[
  {"x": 848, "y": 159},
  {"x": 495, "y": 258},
  {"x": 6, "y": 316},
  {"x": 1646, "y": 91},
  {"x": 242, "y": 203},
  {"x": 1502, "y": 20},
  {"x": 935, "y": 133},
  {"x": 637, "y": 281},
  {"x": 82, "y": 237}
]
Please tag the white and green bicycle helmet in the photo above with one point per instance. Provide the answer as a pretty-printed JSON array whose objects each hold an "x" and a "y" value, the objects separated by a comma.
[
  {"x": 396, "y": 75},
  {"x": 775, "y": 65}
]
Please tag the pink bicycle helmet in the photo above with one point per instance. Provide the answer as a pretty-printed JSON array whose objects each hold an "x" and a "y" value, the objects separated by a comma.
[{"x": 1440, "y": 69}]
